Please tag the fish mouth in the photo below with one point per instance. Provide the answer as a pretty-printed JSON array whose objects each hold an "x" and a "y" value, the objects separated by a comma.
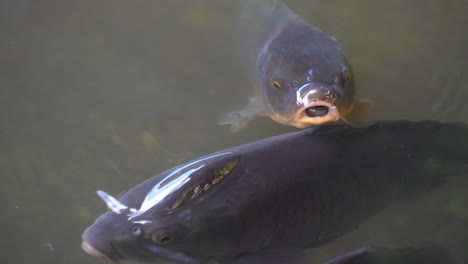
[
  {"x": 318, "y": 112},
  {"x": 96, "y": 252}
]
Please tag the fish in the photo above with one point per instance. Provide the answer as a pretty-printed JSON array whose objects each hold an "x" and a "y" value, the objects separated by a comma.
[
  {"x": 405, "y": 255},
  {"x": 267, "y": 201},
  {"x": 303, "y": 75}
]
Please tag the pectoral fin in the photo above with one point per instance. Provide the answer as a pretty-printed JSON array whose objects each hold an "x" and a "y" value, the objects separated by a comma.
[
  {"x": 240, "y": 118},
  {"x": 273, "y": 256},
  {"x": 362, "y": 111}
]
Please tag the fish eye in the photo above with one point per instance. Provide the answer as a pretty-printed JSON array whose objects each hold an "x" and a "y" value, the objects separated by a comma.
[
  {"x": 163, "y": 239},
  {"x": 137, "y": 231},
  {"x": 276, "y": 84},
  {"x": 347, "y": 76}
]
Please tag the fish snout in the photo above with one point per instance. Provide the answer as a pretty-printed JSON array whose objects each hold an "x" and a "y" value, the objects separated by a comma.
[
  {"x": 317, "y": 104},
  {"x": 320, "y": 106},
  {"x": 97, "y": 238},
  {"x": 312, "y": 92},
  {"x": 330, "y": 96},
  {"x": 95, "y": 252}
]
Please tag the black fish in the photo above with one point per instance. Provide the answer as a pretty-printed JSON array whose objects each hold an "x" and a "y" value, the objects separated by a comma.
[
  {"x": 408, "y": 255},
  {"x": 266, "y": 201}
]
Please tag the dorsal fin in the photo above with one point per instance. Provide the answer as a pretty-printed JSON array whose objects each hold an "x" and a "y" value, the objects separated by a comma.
[{"x": 113, "y": 204}]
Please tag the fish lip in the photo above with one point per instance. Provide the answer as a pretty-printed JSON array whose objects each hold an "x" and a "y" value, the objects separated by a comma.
[
  {"x": 96, "y": 252},
  {"x": 332, "y": 115}
]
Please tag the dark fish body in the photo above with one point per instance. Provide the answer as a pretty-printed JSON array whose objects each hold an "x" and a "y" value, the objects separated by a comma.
[
  {"x": 296, "y": 190},
  {"x": 302, "y": 73},
  {"x": 408, "y": 255}
]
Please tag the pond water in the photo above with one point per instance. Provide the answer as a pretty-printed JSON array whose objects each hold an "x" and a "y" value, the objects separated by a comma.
[{"x": 104, "y": 94}]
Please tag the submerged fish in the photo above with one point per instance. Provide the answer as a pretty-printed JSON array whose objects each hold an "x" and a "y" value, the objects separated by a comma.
[
  {"x": 408, "y": 255},
  {"x": 266, "y": 201},
  {"x": 302, "y": 74}
]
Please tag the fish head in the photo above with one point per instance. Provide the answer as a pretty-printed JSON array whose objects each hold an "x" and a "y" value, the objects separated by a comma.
[
  {"x": 113, "y": 237},
  {"x": 165, "y": 218},
  {"x": 305, "y": 84}
]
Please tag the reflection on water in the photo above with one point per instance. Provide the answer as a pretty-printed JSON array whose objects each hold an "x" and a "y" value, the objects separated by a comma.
[{"x": 102, "y": 95}]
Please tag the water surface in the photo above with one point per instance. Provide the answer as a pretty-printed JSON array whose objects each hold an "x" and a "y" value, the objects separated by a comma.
[{"x": 102, "y": 95}]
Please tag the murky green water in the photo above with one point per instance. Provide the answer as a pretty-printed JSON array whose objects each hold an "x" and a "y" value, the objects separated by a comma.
[{"x": 104, "y": 94}]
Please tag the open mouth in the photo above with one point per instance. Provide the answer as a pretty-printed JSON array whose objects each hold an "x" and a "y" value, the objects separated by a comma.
[
  {"x": 95, "y": 252},
  {"x": 318, "y": 112}
]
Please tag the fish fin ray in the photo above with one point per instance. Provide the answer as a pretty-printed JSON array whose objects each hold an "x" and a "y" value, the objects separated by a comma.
[
  {"x": 241, "y": 118},
  {"x": 361, "y": 112}
]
